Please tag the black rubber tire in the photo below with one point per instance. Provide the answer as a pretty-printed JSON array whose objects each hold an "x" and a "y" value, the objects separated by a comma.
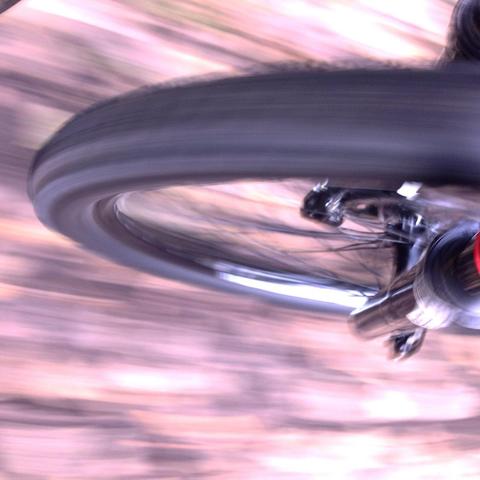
[
  {"x": 385, "y": 124},
  {"x": 6, "y": 4}
]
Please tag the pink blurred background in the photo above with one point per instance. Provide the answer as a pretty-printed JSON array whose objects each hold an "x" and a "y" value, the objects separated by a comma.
[{"x": 106, "y": 373}]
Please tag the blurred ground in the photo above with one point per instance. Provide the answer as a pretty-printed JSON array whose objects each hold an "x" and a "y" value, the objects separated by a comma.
[{"x": 107, "y": 373}]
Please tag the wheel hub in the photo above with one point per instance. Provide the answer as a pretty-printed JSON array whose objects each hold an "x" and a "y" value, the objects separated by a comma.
[
  {"x": 437, "y": 280},
  {"x": 442, "y": 289}
]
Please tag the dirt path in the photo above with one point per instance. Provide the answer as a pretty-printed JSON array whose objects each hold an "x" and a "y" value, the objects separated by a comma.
[{"x": 107, "y": 373}]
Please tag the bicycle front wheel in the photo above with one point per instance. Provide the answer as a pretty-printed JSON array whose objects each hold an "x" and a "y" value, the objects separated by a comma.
[{"x": 203, "y": 182}]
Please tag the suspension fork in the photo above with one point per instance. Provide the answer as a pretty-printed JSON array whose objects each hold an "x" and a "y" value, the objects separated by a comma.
[
  {"x": 445, "y": 283},
  {"x": 434, "y": 286}
]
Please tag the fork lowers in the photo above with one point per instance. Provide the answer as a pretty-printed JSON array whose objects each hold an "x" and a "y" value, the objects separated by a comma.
[{"x": 441, "y": 289}]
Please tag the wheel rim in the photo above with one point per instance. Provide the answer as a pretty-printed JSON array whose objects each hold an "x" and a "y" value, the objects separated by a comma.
[{"x": 251, "y": 234}]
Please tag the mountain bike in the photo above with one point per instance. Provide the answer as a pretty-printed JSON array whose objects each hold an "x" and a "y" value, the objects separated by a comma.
[{"x": 350, "y": 191}]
